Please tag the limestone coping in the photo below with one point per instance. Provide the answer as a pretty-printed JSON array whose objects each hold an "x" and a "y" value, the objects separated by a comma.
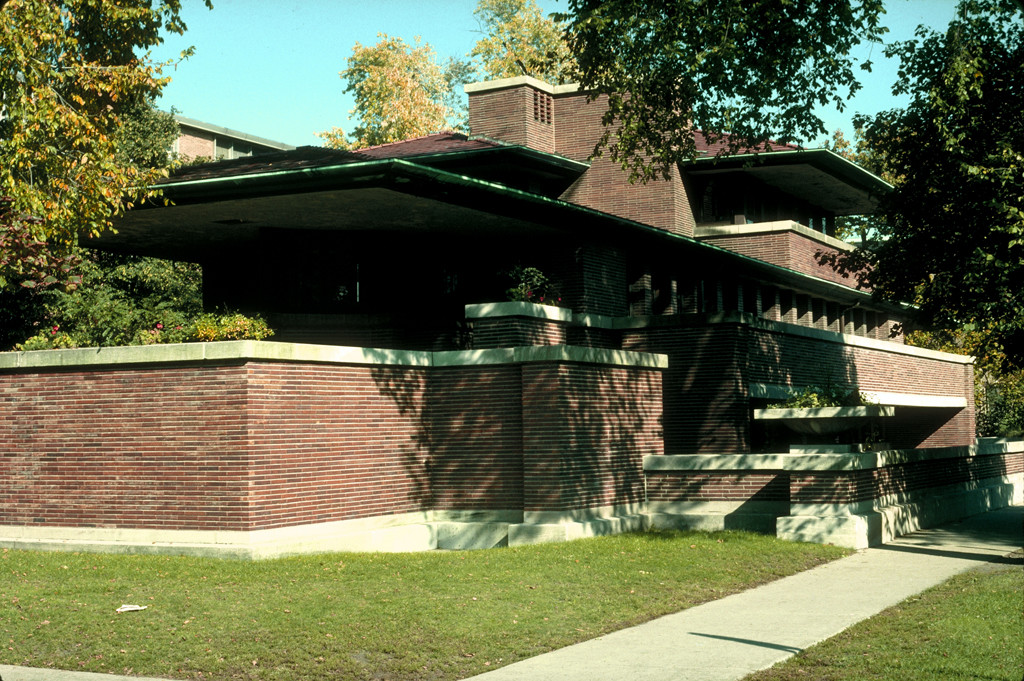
[
  {"x": 727, "y": 230},
  {"x": 248, "y": 350},
  {"x": 849, "y": 461},
  {"x": 518, "y": 308},
  {"x": 517, "y": 81},
  {"x": 560, "y": 314},
  {"x": 823, "y": 412},
  {"x": 772, "y": 391}
]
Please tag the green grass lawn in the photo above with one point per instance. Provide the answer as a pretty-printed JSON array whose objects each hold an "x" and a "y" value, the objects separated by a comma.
[
  {"x": 968, "y": 628},
  {"x": 434, "y": 615}
]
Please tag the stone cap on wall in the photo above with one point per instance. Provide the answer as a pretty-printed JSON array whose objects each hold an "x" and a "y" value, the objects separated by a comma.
[
  {"x": 823, "y": 461},
  {"x": 564, "y": 315},
  {"x": 249, "y": 350},
  {"x": 726, "y": 230}
]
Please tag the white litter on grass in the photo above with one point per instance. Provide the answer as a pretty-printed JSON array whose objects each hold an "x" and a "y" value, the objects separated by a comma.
[{"x": 131, "y": 608}]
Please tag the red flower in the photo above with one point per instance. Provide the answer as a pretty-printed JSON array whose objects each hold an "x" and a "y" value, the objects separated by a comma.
[
  {"x": 159, "y": 325},
  {"x": 54, "y": 332}
]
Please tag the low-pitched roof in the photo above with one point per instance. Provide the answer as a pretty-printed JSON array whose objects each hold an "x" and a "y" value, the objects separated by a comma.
[
  {"x": 819, "y": 176},
  {"x": 229, "y": 204}
]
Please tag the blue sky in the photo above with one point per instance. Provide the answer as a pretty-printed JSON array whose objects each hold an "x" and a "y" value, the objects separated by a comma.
[{"x": 270, "y": 67}]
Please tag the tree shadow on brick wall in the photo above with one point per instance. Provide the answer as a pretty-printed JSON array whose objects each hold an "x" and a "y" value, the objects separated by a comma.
[
  {"x": 793, "y": 362},
  {"x": 466, "y": 431},
  {"x": 586, "y": 431},
  {"x": 406, "y": 388},
  {"x": 536, "y": 437}
]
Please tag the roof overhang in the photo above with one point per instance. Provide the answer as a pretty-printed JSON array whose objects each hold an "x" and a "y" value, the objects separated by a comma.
[
  {"x": 195, "y": 218},
  {"x": 209, "y": 215},
  {"x": 819, "y": 176}
]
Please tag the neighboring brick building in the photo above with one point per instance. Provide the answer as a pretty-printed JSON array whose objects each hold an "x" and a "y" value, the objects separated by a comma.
[
  {"x": 404, "y": 405},
  {"x": 199, "y": 140}
]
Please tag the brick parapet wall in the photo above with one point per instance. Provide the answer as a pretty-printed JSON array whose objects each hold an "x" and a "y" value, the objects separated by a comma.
[
  {"x": 153, "y": 448},
  {"x": 787, "y": 249},
  {"x": 256, "y": 445},
  {"x": 790, "y": 360},
  {"x": 506, "y": 332},
  {"x": 585, "y": 432},
  {"x": 902, "y": 483},
  {"x": 714, "y": 359}
]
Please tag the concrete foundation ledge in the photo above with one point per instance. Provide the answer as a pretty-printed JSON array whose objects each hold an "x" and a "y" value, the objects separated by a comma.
[
  {"x": 388, "y": 534},
  {"x": 466, "y": 536},
  {"x": 539, "y": 533},
  {"x": 426, "y": 531},
  {"x": 763, "y": 523}
]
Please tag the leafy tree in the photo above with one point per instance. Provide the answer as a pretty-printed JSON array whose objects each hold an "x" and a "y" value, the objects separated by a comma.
[
  {"x": 120, "y": 298},
  {"x": 856, "y": 228},
  {"x": 401, "y": 91},
  {"x": 145, "y": 136},
  {"x": 952, "y": 239},
  {"x": 519, "y": 39},
  {"x": 752, "y": 69},
  {"x": 68, "y": 70}
]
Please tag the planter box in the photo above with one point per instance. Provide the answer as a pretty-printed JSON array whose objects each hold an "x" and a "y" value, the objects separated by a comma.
[{"x": 823, "y": 420}]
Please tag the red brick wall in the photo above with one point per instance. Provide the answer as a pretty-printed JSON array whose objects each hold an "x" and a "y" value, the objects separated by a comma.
[
  {"x": 196, "y": 144},
  {"x": 705, "y": 393},
  {"x": 148, "y": 448},
  {"x": 599, "y": 284},
  {"x": 797, "y": 361},
  {"x": 334, "y": 443},
  {"x": 268, "y": 444},
  {"x": 786, "y": 249},
  {"x": 719, "y": 486},
  {"x": 586, "y": 430},
  {"x": 472, "y": 429},
  {"x": 507, "y": 332},
  {"x": 605, "y": 186},
  {"x": 900, "y": 481},
  {"x": 509, "y": 115}
]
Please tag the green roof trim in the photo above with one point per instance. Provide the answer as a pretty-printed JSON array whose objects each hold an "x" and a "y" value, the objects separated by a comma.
[
  {"x": 825, "y": 159},
  {"x": 398, "y": 172}
]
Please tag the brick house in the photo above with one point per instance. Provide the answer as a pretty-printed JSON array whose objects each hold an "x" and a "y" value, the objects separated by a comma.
[
  {"x": 197, "y": 140},
  {"x": 404, "y": 405}
]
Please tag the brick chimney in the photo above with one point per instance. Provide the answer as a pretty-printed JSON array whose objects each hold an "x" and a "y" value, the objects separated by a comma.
[
  {"x": 558, "y": 119},
  {"x": 514, "y": 110}
]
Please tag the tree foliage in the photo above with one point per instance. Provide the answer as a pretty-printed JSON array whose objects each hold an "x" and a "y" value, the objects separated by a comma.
[
  {"x": 751, "y": 69},
  {"x": 119, "y": 298},
  {"x": 952, "y": 238},
  {"x": 400, "y": 90},
  {"x": 519, "y": 40},
  {"x": 68, "y": 73}
]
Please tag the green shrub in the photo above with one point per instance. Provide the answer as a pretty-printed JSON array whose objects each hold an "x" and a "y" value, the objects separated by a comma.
[
  {"x": 206, "y": 327},
  {"x": 827, "y": 395},
  {"x": 51, "y": 340},
  {"x": 1001, "y": 407},
  {"x": 232, "y": 326},
  {"x": 532, "y": 286}
]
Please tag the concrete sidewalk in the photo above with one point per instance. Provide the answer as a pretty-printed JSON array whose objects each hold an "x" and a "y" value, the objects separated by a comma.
[{"x": 727, "y": 639}]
